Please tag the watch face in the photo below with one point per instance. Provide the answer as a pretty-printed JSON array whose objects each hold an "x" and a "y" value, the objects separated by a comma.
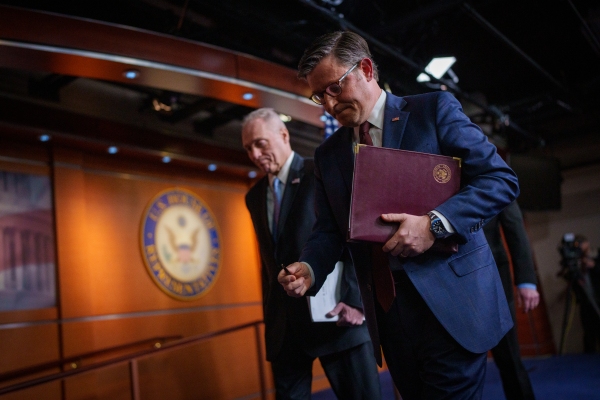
[{"x": 438, "y": 228}]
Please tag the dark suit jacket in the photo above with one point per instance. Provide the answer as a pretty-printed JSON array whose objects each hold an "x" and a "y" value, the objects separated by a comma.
[
  {"x": 282, "y": 312},
  {"x": 463, "y": 290},
  {"x": 511, "y": 221}
]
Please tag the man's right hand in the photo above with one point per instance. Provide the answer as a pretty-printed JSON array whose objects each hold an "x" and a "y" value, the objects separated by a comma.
[{"x": 297, "y": 282}]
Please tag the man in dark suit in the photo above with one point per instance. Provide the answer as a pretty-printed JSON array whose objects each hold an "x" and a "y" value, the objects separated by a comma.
[
  {"x": 515, "y": 379},
  {"x": 293, "y": 341},
  {"x": 447, "y": 310}
]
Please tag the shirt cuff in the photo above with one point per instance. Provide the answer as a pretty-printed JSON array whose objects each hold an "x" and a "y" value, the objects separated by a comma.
[
  {"x": 527, "y": 286},
  {"x": 312, "y": 274},
  {"x": 445, "y": 222}
]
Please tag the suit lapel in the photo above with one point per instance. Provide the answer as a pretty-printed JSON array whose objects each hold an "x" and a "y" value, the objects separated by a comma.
[
  {"x": 291, "y": 188},
  {"x": 394, "y": 121}
]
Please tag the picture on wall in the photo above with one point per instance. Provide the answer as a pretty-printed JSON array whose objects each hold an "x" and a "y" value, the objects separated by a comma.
[{"x": 27, "y": 260}]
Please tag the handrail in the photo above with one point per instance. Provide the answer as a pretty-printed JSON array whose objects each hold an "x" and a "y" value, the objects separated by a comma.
[
  {"x": 133, "y": 358},
  {"x": 8, "y": 376}
]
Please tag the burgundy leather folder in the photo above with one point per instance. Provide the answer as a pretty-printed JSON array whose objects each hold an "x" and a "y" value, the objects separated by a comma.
[{"x": 397, "y": 181}]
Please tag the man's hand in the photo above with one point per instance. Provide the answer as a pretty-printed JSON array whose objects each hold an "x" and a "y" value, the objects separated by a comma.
[
  {"x": 297, "y": 282},
  {"x": 349, "y": 316},
  {"x": 528, "y": 299},
  {"x": 413, "y": 236}
]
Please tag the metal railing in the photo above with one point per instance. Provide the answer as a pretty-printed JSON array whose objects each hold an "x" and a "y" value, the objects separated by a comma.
[
  {"x": 133, "y": 358},
  {"x": 76, "y": 361}
]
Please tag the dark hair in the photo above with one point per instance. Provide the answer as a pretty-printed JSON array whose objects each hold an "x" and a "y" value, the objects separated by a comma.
[{"x": 347, "y": 47}]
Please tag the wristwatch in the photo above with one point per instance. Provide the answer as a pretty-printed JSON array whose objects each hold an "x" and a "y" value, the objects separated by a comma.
[{"x": 437, "y": 227}]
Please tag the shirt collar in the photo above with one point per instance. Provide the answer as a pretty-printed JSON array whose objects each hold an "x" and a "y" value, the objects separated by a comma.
[
  {"x": 284, "y": 171},
  {"x": 376, "y": 116}
]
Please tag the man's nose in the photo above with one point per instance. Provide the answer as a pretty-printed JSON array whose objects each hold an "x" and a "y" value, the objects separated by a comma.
[
  {"x": 330, "y": 102},
  {"x": 255, "y": 153}
]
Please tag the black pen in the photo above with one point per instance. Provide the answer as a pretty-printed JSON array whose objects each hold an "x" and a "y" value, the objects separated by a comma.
[{"x": 287, "y": 271}]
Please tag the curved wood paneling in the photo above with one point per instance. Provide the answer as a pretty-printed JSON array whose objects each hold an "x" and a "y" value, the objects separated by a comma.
[{"x": 79, "y": 47}]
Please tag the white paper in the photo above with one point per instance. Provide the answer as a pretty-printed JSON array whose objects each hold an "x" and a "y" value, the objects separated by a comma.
[{"x": 328, "y": 297}]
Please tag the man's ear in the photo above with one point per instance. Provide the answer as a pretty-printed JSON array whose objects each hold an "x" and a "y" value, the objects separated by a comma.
[
  {"x": 366, "y": 66},
  {"x": 286, "y": 135}
]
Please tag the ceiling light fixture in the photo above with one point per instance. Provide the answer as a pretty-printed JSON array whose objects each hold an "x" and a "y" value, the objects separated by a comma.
[
  {"x": 159, "y": 106},
  {"x": 44, "y": 138},
  {"x": 113, "y": 150},
  {"x": 252, "y": 174},
  {"x": 212, "y": 167},
  {"x": 285, "y": 118},
  {"x": 247, "y": 96},
  {"x": 437, "y": 67},
  {"x": 131, "y": 73},
  {"x": 166, "y": 159}
]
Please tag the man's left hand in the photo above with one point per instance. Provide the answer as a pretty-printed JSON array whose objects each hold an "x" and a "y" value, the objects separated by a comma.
[
  {"x": 413, "y": 236},
  {"x": 528, "y": 299},
  {"x": 349, "y": 316}
]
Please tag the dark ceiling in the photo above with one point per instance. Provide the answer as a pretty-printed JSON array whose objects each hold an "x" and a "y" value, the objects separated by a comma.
[{"x": 528, "y": 71}]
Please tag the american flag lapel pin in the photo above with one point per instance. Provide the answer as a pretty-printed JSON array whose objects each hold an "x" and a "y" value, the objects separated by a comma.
[
  {"x": 295, "y": 180},
  {"x": 395, "y": 119}
]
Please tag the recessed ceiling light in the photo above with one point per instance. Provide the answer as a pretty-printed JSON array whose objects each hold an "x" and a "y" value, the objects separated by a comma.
[
  {"x": 247, "y": 96},
  {"x": 166, "y": 159},
  {"x": 113, "y": 150},
  {"x": 212, "y": 167},
  {"x": 285, "y": 118},
  {"x": 44, "y": 138},
  {"x": 131, "y": 73},
  {"x": 252, "y": 174}
]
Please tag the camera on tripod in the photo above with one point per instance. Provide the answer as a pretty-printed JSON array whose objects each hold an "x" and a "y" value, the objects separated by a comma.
[{"x": 571, "y": 255}]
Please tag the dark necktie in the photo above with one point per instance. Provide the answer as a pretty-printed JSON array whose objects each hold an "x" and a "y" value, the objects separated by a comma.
[
  {"x": 363, "y": 134},
  {"x": 276, "y": 205},
  {"x": 385, "y": 289}
]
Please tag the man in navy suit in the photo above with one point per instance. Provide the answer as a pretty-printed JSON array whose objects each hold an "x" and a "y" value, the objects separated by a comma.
[
  {"x": 292, "y": 340},
  {"x": 448, "y": 309}
]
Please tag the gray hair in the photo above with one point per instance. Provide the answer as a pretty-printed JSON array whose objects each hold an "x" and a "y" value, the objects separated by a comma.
[
  {"x": 347, "y": 47},
  {"x": 266, "y": 114}
]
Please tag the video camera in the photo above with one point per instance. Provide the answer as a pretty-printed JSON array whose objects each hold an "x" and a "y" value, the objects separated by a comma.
[{"x": 571, "y": 254}]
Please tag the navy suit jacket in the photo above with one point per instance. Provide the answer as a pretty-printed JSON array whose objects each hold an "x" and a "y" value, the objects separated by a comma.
[
  {"x": 283, "y": 313},
  {"x": 463, "y": 290}
]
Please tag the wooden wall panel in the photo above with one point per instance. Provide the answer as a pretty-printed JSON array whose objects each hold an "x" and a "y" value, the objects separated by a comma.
[
  {"x": 99, "y": 219},
  {"x": 226, "y": 368},
  {"x": 27, "y": 346},
  {"x": 85, "y": 336},
  {"x": 107, "y": 384},
  {"x": 47, "y": 391}
]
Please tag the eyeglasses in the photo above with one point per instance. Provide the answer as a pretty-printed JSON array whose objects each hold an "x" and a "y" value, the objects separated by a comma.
[{"x": 333, "y": 90}]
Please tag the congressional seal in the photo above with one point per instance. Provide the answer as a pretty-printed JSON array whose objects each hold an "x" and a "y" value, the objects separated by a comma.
[
  {"x": 442, "y": 173},
  {"x": 180, "y": 244}
]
